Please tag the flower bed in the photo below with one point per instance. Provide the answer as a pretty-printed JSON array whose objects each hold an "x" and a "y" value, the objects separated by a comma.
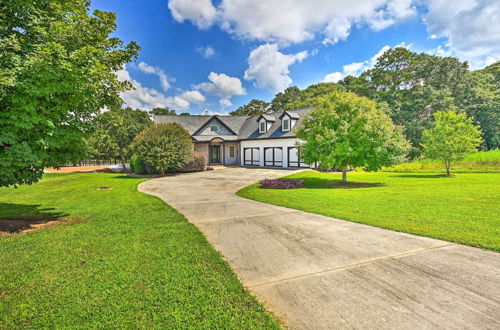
[{"x": 281, "y": 184}]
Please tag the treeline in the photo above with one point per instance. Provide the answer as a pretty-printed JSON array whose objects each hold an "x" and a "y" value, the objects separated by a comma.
[{"x": 410, "y": 87}]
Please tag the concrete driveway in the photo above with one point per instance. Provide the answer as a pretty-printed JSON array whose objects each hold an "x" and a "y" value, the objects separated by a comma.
[{"x": 316, "y": 272}]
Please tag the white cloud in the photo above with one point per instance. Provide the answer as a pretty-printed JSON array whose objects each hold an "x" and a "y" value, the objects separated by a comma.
[
  {"x": 356, "y": 68},
  {"x": 472, "y": 28},
  {"x": 292, "y": 21},
  {"x": 201, "y": 12},
  {"x": 225, "y": 103},
  {"x": 206, "y": 52},
  {"x": 207, "y": 112},
  {"x": 270, "y": 68},
  {"x": 222, "y": 85},
  {"x": 146, "y": 68},
  {"x": 148, "y": 98},
  {"x": 193, "y": 97}
]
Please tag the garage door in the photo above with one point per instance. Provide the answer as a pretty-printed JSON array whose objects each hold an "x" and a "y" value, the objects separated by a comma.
[
  {"x": 294, "y": 158},
  {"x": 251, "y": 156},
  {"x": 273, "y": 156}
]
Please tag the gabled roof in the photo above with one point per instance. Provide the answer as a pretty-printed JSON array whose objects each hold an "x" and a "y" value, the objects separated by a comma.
[{"x": 243, "y": 127}]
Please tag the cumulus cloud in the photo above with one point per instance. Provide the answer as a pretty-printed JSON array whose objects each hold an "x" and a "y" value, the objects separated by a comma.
[
  {"x": 225, "y": 103},
  {"x": 206, "y": 52},
  {"x": 145, "y": 98},
  {"x": 356, "y": 68},
  {"x": 292, "y": 21},
  {"x": 201, "y": 12},
  {"x": 193, "y": 97},
  {"x": 222, "y": 85},
  {"x": 472, "y": 28},
  {"x": 270, "y": 68},
  {"x": 146, "y": 68}
]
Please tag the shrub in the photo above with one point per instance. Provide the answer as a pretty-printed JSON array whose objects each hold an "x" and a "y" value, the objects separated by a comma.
[
  {"x": 281, "y": 184},
  {"x": 196, "y": 164},
  {"x": 164, "y": 146},
  {"x": 137, "y": 165}
]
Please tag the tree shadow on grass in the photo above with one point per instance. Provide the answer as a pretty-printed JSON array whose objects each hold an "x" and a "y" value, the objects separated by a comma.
[
  {"x": 420, "y": 176},
  {"x": 317, "y": 183},
  {"x": 15, "y": 218}
]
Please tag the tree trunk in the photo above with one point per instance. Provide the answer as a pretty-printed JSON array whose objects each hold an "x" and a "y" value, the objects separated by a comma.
[
  {"x": 344, "y": 174},
  {"x": 447, "y": 164},
  {"x": 124, "y": 162}
]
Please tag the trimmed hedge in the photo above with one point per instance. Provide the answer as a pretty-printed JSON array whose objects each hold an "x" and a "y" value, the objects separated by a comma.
[{"x": 196, "y": 164}]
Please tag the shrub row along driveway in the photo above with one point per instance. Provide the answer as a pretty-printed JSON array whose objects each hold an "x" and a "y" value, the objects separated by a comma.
[{"x": 314, "y": 271}]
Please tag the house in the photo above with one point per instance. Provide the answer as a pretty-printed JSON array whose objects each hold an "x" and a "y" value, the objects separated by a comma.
[{"x": 263, "y": 140}]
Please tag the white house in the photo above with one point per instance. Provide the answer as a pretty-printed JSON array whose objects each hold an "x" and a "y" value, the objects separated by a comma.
[{"x": 263, "y": 140}]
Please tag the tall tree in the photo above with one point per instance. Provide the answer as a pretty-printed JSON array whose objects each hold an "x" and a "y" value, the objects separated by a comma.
[
  {"x": 158, "y": 111},
  {"x": 57, "y": 70},
  {"x": 308, "y": 96},
  {"x": 481, "y": 100},
  {"x": 116, "y": 130},
  {"x": 252, "y": 108},
  {"x": 451, "y": 138},
  {"x": 345, "y": 130},
  {"x": 289, "y": 95}
]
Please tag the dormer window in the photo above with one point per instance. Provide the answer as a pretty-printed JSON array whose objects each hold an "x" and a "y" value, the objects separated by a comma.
[
  {"x": 262, "y": 126},
  {"x": 285, "y": 124}
]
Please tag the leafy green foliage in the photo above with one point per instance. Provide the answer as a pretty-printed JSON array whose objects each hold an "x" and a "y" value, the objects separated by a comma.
[
  {"x": 281, "y": 99},
  {"x": 184, "y": 114},
  {"x": 120, "y": 259},
  {"x": 481, "y": 99},
  {"x": 252, "y": 108},
  {"x": 452, "y": 137},
  {"x": 116, "y": 130},
  {"x": 462, "y": 210},
  {"x": 57, "y": 70},
  {"x": 345, "y": 130},
  {"x": 164, "y": 146},
  {"x": 137, "y": 165},
  {"x": 309, "y": 95},
  {"x": 162, "y": 111}
]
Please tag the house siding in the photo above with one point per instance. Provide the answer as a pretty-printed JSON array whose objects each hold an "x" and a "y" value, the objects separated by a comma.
[{"x": 205, "y": 130}]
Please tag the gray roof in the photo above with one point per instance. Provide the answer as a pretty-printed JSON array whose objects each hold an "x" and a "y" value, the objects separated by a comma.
[{"x": 245, "y": 127}]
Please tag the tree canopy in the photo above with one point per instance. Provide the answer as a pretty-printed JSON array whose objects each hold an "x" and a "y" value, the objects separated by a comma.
[
  {"x": 345, "y": 130},
  {"x": 252, "y": 108},
  {"x": 158, "y": 111},
  {"x": 451, "y": 138},
  {"x": 57, "y": 70},
  {"x": 280, "y": 100},
  {"x": 115, "y": 131}
]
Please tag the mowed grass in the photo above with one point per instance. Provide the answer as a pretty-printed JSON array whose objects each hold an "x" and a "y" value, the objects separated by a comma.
[
  {"x": 479, "y": 162},
  {"x": 122, "y": 259},
  {"x": 462, "y": 209}
]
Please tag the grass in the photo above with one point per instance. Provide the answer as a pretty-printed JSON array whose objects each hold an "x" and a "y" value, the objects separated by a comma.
[
  {"x": 122, "y": 259},
  {"x": 462, "y": 209},
  {"x": 479, "y": 162}
]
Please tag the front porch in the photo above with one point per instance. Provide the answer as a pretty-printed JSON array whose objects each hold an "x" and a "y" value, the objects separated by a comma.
[{"x": 219, "y": 152}]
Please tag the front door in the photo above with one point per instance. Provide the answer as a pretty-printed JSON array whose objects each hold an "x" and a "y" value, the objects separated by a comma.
[{"x": 215, "y": 155}]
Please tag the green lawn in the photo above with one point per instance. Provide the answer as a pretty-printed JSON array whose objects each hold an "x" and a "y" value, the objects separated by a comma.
[
  {"x": 463, "y": 209},
  {"x": 123, "y": 259}
]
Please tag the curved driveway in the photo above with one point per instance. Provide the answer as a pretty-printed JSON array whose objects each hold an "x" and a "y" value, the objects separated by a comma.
[{"x": 317, "y": 272}]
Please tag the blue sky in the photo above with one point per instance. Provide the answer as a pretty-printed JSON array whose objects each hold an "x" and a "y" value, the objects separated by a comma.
[{"x": 202, "y": 55}]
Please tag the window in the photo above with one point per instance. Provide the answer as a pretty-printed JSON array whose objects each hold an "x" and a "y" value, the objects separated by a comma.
[
  {"x": 214, "y": 128},
  {"x": 262, "y": 128},
  {"x": 286, "y": 124},
  {"x": 231, "y": 151}
]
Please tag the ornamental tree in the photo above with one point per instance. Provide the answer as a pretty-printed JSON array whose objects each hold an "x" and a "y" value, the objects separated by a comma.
[
  {"x": 345, "y": 130},
  {"x": 58, "y": 69},
  {"x": 164, "y": 146},
  {"x": 451, "y": 138}
]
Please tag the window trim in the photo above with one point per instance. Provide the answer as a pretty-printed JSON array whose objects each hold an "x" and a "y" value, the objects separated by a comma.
[
  {"x": 262, "y": 123},
  {"x": 285, "y": 120},
  {"x": 212, "y": 128}
]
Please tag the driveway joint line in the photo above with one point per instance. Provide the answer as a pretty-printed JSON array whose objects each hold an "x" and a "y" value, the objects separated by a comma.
[
  {"x": 362, "y": 263},
  {"x": 279, "y": 212}
]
